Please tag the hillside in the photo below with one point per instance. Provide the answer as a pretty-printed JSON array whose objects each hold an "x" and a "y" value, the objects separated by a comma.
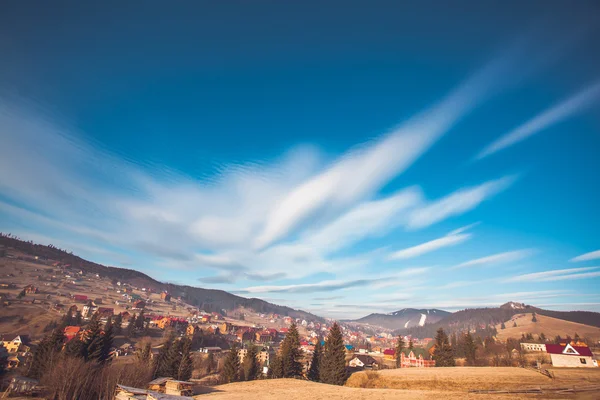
[
  {"x": 551, "y": 327},
  {"x": 207, "y": 299},
  {"x": 402, "y": 319},
  {"x": 479, "y": 318}
]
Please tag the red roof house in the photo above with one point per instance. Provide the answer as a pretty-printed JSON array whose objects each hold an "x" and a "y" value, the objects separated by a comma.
[{"x": 566, "y": 355}]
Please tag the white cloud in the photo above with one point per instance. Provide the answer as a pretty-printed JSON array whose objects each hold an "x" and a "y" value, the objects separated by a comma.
[
  {"x": 361, "y": 172},
  {"x": 436, "y": 244},
  {"x": 499, "y": 258},
  {"x": 557, "y": 274},
  {"x": 569, "y": 107},
  {"x": 367, "y": 219},
  {"x": 593, "y": 255},
  {"x": 458, "y": 202}
]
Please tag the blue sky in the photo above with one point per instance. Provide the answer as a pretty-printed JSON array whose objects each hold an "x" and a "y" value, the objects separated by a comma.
[{"x": 338, "y": 157}]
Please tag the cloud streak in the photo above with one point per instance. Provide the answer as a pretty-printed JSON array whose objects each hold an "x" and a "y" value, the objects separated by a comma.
[
  {"x": 575, "y": 104},
  {"x": 554, "y": 275},
  {"x": 592, "y": 255},
  {"x": 451, "y": 239},
  {"x": 500, "y": 258}
]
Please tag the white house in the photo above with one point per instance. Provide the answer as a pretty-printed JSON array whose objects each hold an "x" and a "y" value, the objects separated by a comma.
[
  {"x": 570, "y": 356},
  {"x": 533, "y": 347}
]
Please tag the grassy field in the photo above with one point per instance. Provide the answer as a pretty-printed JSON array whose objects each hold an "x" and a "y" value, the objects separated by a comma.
[
  {"x": 292, "y": 389},
  {"x": 549, "y": 326}
]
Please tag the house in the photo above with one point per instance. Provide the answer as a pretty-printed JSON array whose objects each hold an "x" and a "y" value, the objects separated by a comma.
[
  {"x": 570, "y": 356},
  {"x": 213, "y": 350},
  {"x": 89, "y": 309},
  {"x": 263, "y": 337},
  {"x": 192, "y": 330},
  {"x": 363, "y": 361},
  {"x": 71, "y": 332},
  {"x": 206, "y": 318},
  {"x": 30, "y": 289},
  {"x": 139, "y": 304},
  {"x": 245, "y": 335},
  {"x": 225, "y": 327},
  {"x": 20, "y": 344},
  {"x": 80, "y": 297},
  {"x": 533, "y": 347},
  {"x": 105, "y": 312},
  {"x": 14, "y": 361},
  {"x": 417, "y": 357},
  {"x": 165, "y": 296}
]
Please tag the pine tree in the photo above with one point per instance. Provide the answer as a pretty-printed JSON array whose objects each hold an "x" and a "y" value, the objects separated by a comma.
[
  {"x": 93, "y": 343},
  {"x": 291, "y": 353},
  {"x": 314, "y": 373},
  {"x": 515, "y": 324},
  {"x": 139, "y": 322},
  {"x": 542, "y": 337},
  {"x": 131, "y": 327},
  {"x": 410, "y": 344},
  {"x": 503, "y": 326},
  {"x": 46, "y": 354},
  {"x": 443, "y": 354},
  {"x": 173, "y": 359},
  {"x": 470, "y": 348},
  {"x": 399, "y": 348},
  {"x": 118, "y": 323},
  {"x": 161, "y": 367},
  {"x": 250, "y": 366},
  {"x": 534, "y": 319},
  {"x": 275, "y": 367},
  {"x": 75, "y": 348},
  {"x": 107, "y": 341},
  {"x": 231, "y": 366},
  {"x": 145, "y": 354},
  {"x": 333, "y": 368},
  {"x": 186, "y": 365}
]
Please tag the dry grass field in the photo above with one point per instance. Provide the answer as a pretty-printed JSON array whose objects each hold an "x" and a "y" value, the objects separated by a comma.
[
  {"x": 292, "y": 389},
  {"x": 426, "y": 383},
  {"x": 551, "y": 327}
]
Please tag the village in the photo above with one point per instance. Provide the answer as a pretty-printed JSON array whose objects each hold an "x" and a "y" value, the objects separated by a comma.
[{"x": 46, "y": 295}]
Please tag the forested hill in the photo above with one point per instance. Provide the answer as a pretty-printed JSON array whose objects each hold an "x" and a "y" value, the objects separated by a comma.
[{"x": 207, "y": 299}]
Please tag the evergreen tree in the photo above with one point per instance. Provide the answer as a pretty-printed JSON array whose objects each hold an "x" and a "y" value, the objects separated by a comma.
[
  {"x": 576, "y": 337},
  {"x": 131, "y": 327},
  {"x": 117, "y": 323},
  {"x": 399, "y": 348},
  {"x": 515, "y": 324},
  {"x": 93, "y": 343},
  {"x": 78, "y": 319},
  {"x": 139, "y": 322},
  {"x": 503, "y": 326},
  {"x": 107, "y": 341},
  {"x": 46, "y": 354},
  {"x": 276, "y": 367},
  {"x": 314, "y": 373},
  {"x": 410, "y": 344},
  {"x": 443, "y": 354},
  {"x": 250, "y": 366},
  {"x": 333, "y": 368},
  {"x": 534, "y": 319},
  {"x": 291, "y": 353},
  {"x": 75, "y": 348},
  {"x": 231, "y": 366},
  {"x": 145, "y": 354},
  {"x": 186, "y": 365},
  {"x": 470, "y": 348},
  {"x": 542, "y": 337},
  {"x": 161, "y": 366}
]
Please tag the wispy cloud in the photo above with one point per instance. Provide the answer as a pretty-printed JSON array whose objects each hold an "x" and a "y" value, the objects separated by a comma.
[
  {"x": 499, "y": 258},
  {"x": 554, "y": 275},
  {"x": 592, "y": 255},
  {"x": 451, "y": 239},
  {"x": 458, "y": 202},
  {"x": 567, "y": 108}
]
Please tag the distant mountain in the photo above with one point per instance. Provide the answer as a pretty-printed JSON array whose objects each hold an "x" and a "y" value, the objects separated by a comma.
[
  {"x": 206, "y": 299},
  {"x": 402, "y": 319},
  {"x": 480, "y": 318}
]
